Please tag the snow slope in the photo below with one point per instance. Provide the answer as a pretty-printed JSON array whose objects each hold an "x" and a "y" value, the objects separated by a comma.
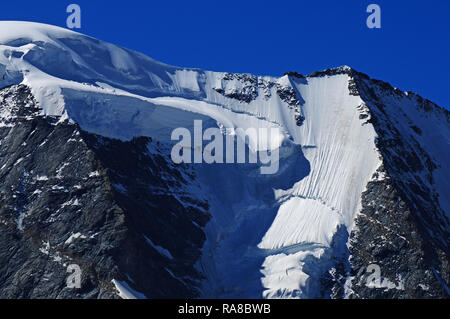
[
  {"x": 99, "y": 78},
  {"x": 305, "y": 210},
  {"x": 270, "y": 236},
  {"x": 122, "y": 94}
]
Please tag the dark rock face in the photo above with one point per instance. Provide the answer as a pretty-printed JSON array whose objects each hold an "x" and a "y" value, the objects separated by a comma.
[
  {"x": 289, "y": 95},
  {"x": 252, "y": 85},
  {"x": 401, "y": 227},
  {"x": 70, "y": 197},
  {"x": 389, "y": 235},
  {"x": 247, "y": 93},
  {"x": 123, "y": 211},
  {"x": 295, "y": 74}
]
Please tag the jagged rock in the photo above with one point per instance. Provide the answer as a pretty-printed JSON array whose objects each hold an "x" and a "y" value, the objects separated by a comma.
[
  {"x": 58, "y": 181},
  {"x": 86, "y": 179}
]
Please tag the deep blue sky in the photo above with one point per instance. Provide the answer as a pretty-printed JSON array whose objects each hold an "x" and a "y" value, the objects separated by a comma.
[{"x": 411, "y": 50}]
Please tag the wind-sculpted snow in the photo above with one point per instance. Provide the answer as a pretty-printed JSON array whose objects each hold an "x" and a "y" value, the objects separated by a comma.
[{"x": 272, "y": 236}]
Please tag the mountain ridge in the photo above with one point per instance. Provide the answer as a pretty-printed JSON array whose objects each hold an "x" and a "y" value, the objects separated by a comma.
[{"x": 355, "y": 153}]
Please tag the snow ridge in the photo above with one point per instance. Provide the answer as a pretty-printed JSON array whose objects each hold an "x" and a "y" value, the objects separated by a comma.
[{"x": 270, "y": 236}]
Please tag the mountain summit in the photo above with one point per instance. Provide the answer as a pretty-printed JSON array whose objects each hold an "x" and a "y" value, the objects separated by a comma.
[{"x": 359, "y": 207}]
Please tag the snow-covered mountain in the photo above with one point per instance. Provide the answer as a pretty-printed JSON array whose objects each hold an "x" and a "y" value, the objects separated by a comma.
[{"x": 87, "y": 179}]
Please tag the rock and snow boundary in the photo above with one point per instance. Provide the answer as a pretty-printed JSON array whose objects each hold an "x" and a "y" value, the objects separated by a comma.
[{"x": 270, "y": 236}]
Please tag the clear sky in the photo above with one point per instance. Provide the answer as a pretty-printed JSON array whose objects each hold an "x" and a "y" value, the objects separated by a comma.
[{"x": 411, "y": 50}]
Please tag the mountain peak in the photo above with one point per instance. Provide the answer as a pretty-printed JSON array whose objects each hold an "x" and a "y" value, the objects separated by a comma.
[
  {"x": 87, "y": 132},
  {"x": 13, "y": 31}
]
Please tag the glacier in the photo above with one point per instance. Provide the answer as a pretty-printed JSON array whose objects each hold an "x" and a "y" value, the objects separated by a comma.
[{"x": 270, "y": 236}]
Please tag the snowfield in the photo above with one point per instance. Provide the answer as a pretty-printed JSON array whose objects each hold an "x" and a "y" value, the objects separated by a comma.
[{"x": 270, "y": 236}]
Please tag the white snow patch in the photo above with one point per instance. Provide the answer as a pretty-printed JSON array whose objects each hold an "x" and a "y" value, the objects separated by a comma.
[
  {"x": 73, "y": 237},
  {"x": 94, "y": 174},
  {"x": 301, "y": 220},
  {"x": 126, "y": 292}
]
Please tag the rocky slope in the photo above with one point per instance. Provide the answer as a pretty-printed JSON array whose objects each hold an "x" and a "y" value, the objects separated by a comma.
[
  {"x": 70, "y": 197},
  {"x": 86, "y": 179}
]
